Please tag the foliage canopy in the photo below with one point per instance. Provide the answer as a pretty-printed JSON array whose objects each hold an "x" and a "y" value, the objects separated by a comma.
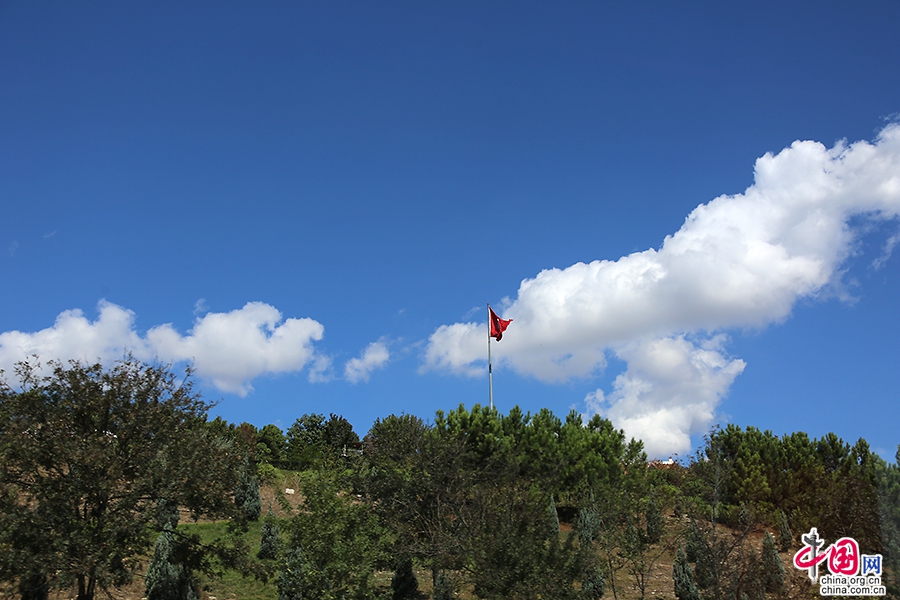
[{"x": 87, "y": 454}]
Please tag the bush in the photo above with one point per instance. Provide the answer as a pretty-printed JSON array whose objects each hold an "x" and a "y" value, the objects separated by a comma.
[
  {"x": 267, "y": 474},
  {"x": 404, "y": 584}
]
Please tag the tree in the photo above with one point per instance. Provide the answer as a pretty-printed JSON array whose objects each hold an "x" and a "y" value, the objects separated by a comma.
[
  {"x": 589, "y": 525},
  {"x": 888, "y": 477},
  {"x": 785, "y": 537},
  {"x": 772, "y": 567},
  {"x": 404, "y": 584},
  {"x": 443, "y": 587},
  {"x": 683, "y": 576},
  {"x": 270, "y": 538},
  {"x": 290, "y": 582},
  {"x": 338, "y": 435},
  {"x": 87, "y": 452},
  {"x": 272, "y": 438},
  {"x": 515, "y": 552},
  {"x": 552, "y": 520},
  {"x": 166, "y": 579},
  {"x": 246, "y": 493},
  {"x": 304, "y": 442},
  {"x": 335, "y": 546}
]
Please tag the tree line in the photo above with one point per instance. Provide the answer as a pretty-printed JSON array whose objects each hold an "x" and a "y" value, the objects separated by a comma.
[{"x": 99, "y": 465}]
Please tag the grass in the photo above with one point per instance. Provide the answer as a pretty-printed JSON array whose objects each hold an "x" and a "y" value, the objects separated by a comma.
[{"x": 231, "y": 585}]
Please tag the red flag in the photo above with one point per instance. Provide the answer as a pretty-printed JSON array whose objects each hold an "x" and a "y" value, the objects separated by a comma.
[{"x": 498, "y": 325}]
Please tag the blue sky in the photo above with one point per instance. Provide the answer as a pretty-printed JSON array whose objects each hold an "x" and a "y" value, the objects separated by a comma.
[{"x": 313, "y": 202}]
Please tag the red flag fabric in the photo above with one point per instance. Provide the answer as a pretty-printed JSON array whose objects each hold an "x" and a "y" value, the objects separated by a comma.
[{"x": 498, "y": 325}]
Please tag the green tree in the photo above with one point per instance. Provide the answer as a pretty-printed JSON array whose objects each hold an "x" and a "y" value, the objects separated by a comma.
[
  {"x": 246, "y": 492},
  {"x": 304, "y": 442},
  {"x": 443, "y": 587},
  {"x": 338, "y": 435},
  {"x": 785, "y": 536},
  {"x": 513, "y": 550},
  {"x": 87, "y": 452},
  {"x": 166, "y": 579},
  {"x": 419, "y": 479},
  {"x": 552, "y": 520},
  {"x": 270, "y": 538},
  {"x": 888, "y": 479},
  {"x": 291, "y": 583},
  {"x": 404, "y": 585},
  {"x": 272, "y": 438},
  {"x": 589, "y": 526},
  {"x": 726, "y": 565},
  {"x": 335, "y": 544},
  {"x": 683, "y": 576},
  {"x": 772, "y": 567}
]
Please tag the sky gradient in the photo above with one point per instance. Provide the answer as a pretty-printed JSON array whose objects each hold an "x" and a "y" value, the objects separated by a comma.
[{"x": 688, "y": 210}]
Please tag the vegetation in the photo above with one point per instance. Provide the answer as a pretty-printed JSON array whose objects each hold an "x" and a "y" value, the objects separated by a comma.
[
  {"x": 97, "y": 463},
  {"x": 270, "y": 539},
  {"x": 87, "y": 453}
]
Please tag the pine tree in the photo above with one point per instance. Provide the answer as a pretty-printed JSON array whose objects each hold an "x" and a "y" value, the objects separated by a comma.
[
  {"x": 443, "y": 587},
  {"x": 270, "y": 540},
  {"x": 588, "y": 523},
  {"x": 655, "y": 522},
  {"x": 34, "y": 586},
  {"x": 552, "y": 521},
  {"x": 166, "y": 580},
  {"x": 593, "y": 584},
  {"x": 773, "y": 568},
  {"x": 685, "y": 587},
  {"x": 785, "y": 536},
  {"x": 290, "y": 581},
  {"x": 246, "y": 494},
  {"x": 698, "y": 551},
  {"x": 404, "y": 584}
]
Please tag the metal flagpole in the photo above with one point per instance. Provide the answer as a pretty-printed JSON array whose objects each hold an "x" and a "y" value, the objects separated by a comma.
[{"x": 490, "y": 374}]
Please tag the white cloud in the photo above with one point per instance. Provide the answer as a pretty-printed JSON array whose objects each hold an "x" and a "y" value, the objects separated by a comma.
[
  {"x": 669, "y": 391},
  {"x": 228, "y": 349},
  {"x": 738, "y": 261},
  {"x": 200, "y": 307},
  {"x": 375, "y": 356},
  {"x": 320, "y": 370},
  {"x": 72, "y": 336},
  {"x": 886, "y": 252}
]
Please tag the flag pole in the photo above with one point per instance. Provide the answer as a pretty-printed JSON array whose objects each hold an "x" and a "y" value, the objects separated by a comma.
[{"x": 490, "y": 373}]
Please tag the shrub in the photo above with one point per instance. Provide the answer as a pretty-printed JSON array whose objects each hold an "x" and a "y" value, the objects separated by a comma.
[{"x": 404, "y": 584}]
